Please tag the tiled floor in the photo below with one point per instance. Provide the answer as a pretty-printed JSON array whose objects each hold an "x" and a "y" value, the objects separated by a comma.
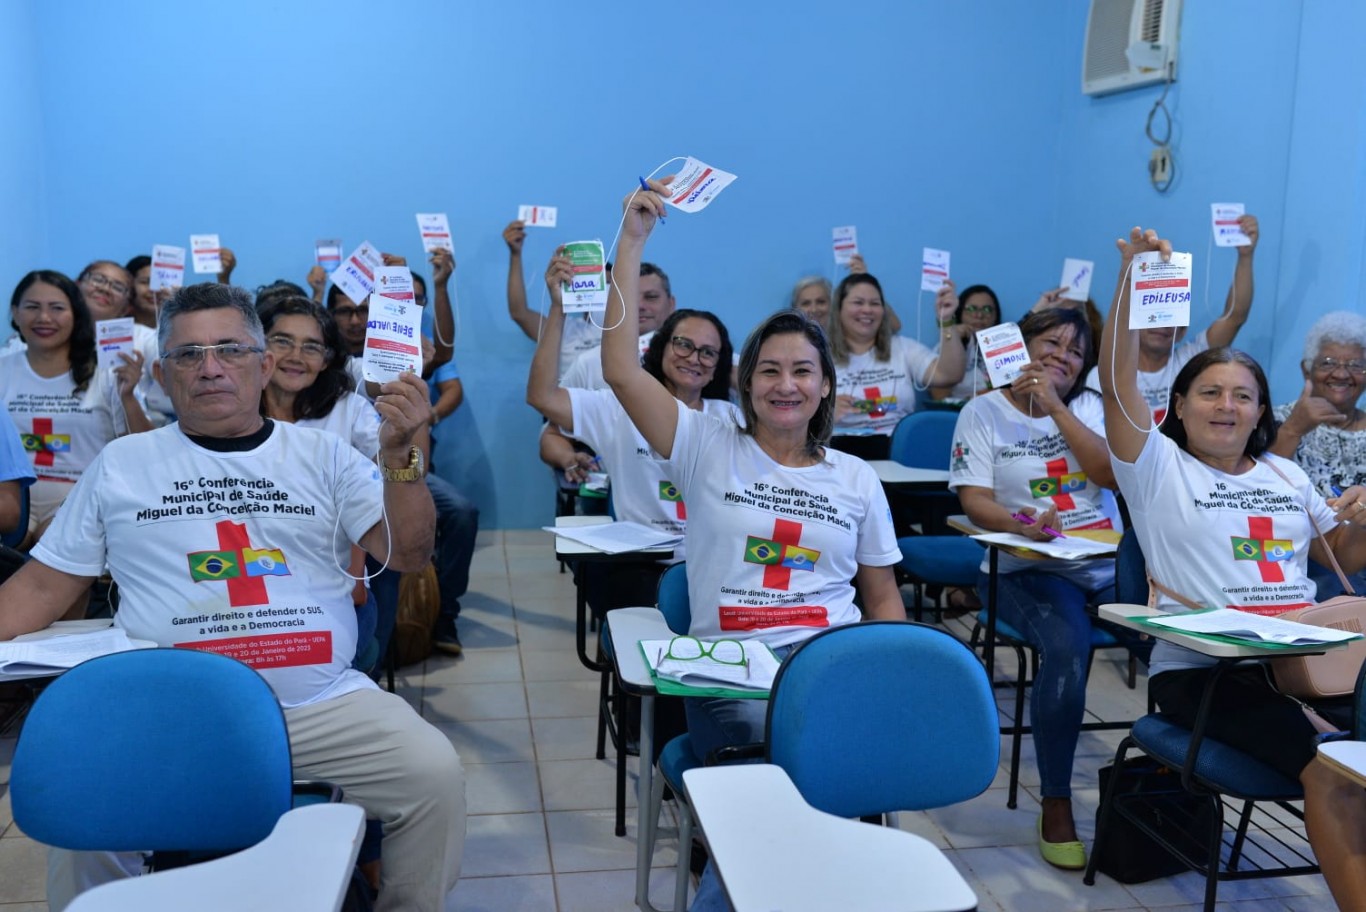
[{"x": 520, "y": 709}]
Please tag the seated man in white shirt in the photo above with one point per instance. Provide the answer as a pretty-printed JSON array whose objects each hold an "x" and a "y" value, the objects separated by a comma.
[{"x": 229, "y": 515}]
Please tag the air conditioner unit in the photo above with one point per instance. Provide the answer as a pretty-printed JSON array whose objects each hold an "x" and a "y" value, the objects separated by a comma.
[{"x": 1129, "y": 43}]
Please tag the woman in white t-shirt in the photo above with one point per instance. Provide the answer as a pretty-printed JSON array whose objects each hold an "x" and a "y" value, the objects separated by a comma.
[
  {"x": 1030, "y": 458},
  {"x": 978, "y": 309},
  {"x": 65, "y": 406},
  {"x": 1226, "y": 524},
  {"x": 780, "y": 527},
  {"x": 878, "y": 373},
  {"x": 690, "y": 356}
]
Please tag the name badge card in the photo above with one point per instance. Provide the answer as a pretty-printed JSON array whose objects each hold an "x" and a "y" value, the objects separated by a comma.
[
  {"x": 393, "y": 340},
  {"x": 435, "y": 231},
  {"x": 328, "y": 252},
  {"x": 696, "y": 185},
  {"x": 204, "y": 249},
  {"x": 935, "y": 271},
  {"x": 1076, "y": 275},
  {"x": 1227, "y": 232},
  {"x": 168, "y": 267},
  {"x": 1160, "y": 293},
  {"x": 113, "y": 338},
  {"x": 537, "y": 216},
  {"x": 588, "y": 291},
  {"x": 1003, "y": 350},
  {"x": 356, "y": 275},
  {"x": 846, "y": 244},
  {"x": 395, "y": 283}
]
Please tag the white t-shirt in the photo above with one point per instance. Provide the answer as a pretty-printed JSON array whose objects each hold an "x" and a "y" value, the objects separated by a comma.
[
  {"x": 581, "y": 335},
  {"x": 236, "y": 553},
  {"x": 1026, "y": 462},
  {"x": 1156, "y": 386},
  {"x": 773, "y": 550},
  {"x": 1225, "y": 541},
  {"x": 642, "y": 489},
  {"x": 354, "y": 420},
  {"x": 62, "y": 432},
  {"x": 883, "y": 391},
  {"x": 586, "y": 371}
]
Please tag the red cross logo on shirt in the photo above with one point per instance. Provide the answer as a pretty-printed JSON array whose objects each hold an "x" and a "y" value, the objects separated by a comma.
[
  {"x": 1262, "y": 546},
  {"x": 777, "y": 570},
  {"x": 44, "y": 444},
  {"x": 238, "y": 564},
  {"x": 1057, "y": 468}
]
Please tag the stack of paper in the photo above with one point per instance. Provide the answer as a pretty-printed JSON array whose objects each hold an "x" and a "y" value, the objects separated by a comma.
[
  {"x": 1069, "y": 547},
  {"x": 1256, "y": 628},
  {"x": 34, "y": 658},
  {"x": 617, "y": 537},
  {"x": 758, "y": 672}
]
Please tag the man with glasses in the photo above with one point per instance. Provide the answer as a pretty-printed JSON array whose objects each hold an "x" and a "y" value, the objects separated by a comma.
[
  {"x": 1162, "y": 353},
  {"x": 229, "y": 532}
]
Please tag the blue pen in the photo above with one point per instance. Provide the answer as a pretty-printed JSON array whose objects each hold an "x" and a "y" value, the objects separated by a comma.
[
  {"x": 646, "y": 187},
  {"x": 1337, "y": 492}
]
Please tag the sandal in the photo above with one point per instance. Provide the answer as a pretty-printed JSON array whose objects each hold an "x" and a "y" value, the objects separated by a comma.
[{"x": 960, "y": 601}]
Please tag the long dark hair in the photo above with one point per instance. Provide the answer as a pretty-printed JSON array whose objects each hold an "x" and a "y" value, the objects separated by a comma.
[
  {"x": 653, "y": 359},
  {"x": 1041, "y": 321},
  {"x": 782, "y": 323},
  {"x": 80, "y": 347},
  {"x": 1262, "y": 436},
  {"x": 333, "y": 380},
  {"x": 882, "y": 342}
]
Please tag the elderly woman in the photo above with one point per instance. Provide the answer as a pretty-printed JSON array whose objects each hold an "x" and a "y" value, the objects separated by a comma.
[{"x": 1323, "y": 430}]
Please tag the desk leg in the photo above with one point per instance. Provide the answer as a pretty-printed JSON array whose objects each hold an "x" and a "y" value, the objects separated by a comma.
[
  {"x": 581, "y": 626},
  {"x": 644, "y": 788},
  {"x": 989, "y": 648}
]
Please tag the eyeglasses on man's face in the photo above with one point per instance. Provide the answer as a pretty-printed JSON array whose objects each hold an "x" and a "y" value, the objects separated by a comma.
[{"x": 229, "y": 354}]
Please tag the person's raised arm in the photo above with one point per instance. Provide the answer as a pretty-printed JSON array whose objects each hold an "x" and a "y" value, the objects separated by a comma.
[
  {"x": 1238, "y": 304},
  {"x": 527, "y": 319},
  {"x": 649, "y": 404},
  {"x": 450, "y": 393},
  {"x": 126, "y": 377},
  {"x": 403, "y": 404},
  {"x": 228, "y": 260},
  {"x": 1309, "y": 412},
  {"x": 317, "y": 280},
  {"x": 1128, "y": 420},
  {"x": 543, "y": 391},
  {"x": 948, "y": 368},
  {"x": 443, "y": 323}
]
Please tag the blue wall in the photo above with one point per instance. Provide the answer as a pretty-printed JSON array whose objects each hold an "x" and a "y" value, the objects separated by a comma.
[{"x": 958, "y": 125}]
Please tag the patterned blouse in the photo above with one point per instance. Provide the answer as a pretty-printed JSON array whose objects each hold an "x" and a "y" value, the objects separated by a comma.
[{"x": 1330, "y": 456}]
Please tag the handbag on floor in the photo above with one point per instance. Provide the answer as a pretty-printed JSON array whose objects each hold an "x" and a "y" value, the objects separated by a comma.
[{"x": 1152, "y": 792}]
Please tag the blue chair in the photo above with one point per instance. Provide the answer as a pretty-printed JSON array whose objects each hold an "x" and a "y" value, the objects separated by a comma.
[
  {"x": 198, "y": 741},
  {"x": 1208, "y": 769},
  {"x": 923, "y": 440}
]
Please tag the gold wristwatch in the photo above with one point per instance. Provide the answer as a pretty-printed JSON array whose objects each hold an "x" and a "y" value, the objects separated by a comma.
[{"x": 415, "y": 470}]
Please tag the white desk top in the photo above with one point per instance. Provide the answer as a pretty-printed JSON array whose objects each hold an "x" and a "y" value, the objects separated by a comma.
[
  {"x": 1121, "y": 614},
  {"x": 628, "y": 627},
  {"x": 568, "y": 549},
  {"x": 304, "y": 865},
  {"x": 891, "y": 472},
  {"x": 63, "y": 628},
  {"x": 1347, "y": 757},
  {"x": 776, "y": 852}
]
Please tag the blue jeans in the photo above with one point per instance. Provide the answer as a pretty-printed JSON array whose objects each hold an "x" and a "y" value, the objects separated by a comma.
[
  {"x": 715, "y": 722},
  {"x": 457, "y": 525},
  {"x": 1049, "y": 611}
]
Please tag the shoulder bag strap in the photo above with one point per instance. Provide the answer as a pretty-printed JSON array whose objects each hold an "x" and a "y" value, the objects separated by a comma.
[{"x": 1332, "y": 558}]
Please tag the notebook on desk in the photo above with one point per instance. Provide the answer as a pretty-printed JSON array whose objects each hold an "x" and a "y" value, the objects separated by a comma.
[{"x": 705, "y": 677}]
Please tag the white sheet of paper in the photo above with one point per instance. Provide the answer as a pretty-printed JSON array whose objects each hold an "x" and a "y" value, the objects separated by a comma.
[
  {"x": 113, "y": 338},
  {"x": 204, "y": 249},
  {"x": 356, "y": 275},
  {"x": 758, "y": 672},
  {"x": 393, "y": 339},
  {"x": 395, "y": 283},
  {"x": 695, "y": 185},
  {"x": 1160, "y": 293},
  {"x": 935, "y": 271},
  {"x": 537, "y": 216},
  {"x": 1003, "y": 350},
  {"x": 616, "y": 537},
  {"x": 1076, "y": 275},
  {"x": 168, "y": 267},
  {"x": 1227, "y": 232},
  {"x": 328, "y": 253},
  {"x": 1256, "y": 627},
  {"x": 588, "y": 290},
  {"x": 1067, "y": 548},
  {"x": 66, "y": 651},
  {"x": 846, "y": 244},
  {"x": 435, "y": 231}
]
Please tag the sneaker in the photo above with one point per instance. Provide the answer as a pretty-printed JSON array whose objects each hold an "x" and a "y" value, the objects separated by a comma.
[{"x": 444, "y": 637}]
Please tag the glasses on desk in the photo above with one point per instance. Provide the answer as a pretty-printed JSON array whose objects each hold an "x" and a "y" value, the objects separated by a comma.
[{"x": 690, "y": 648}]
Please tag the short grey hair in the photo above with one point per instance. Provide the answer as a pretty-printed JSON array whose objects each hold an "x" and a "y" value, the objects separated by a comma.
[
  {"x": 1340, "y": 327},
  {"x": 209, "y": 296},
  {"x": 806, "y": 282}
]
